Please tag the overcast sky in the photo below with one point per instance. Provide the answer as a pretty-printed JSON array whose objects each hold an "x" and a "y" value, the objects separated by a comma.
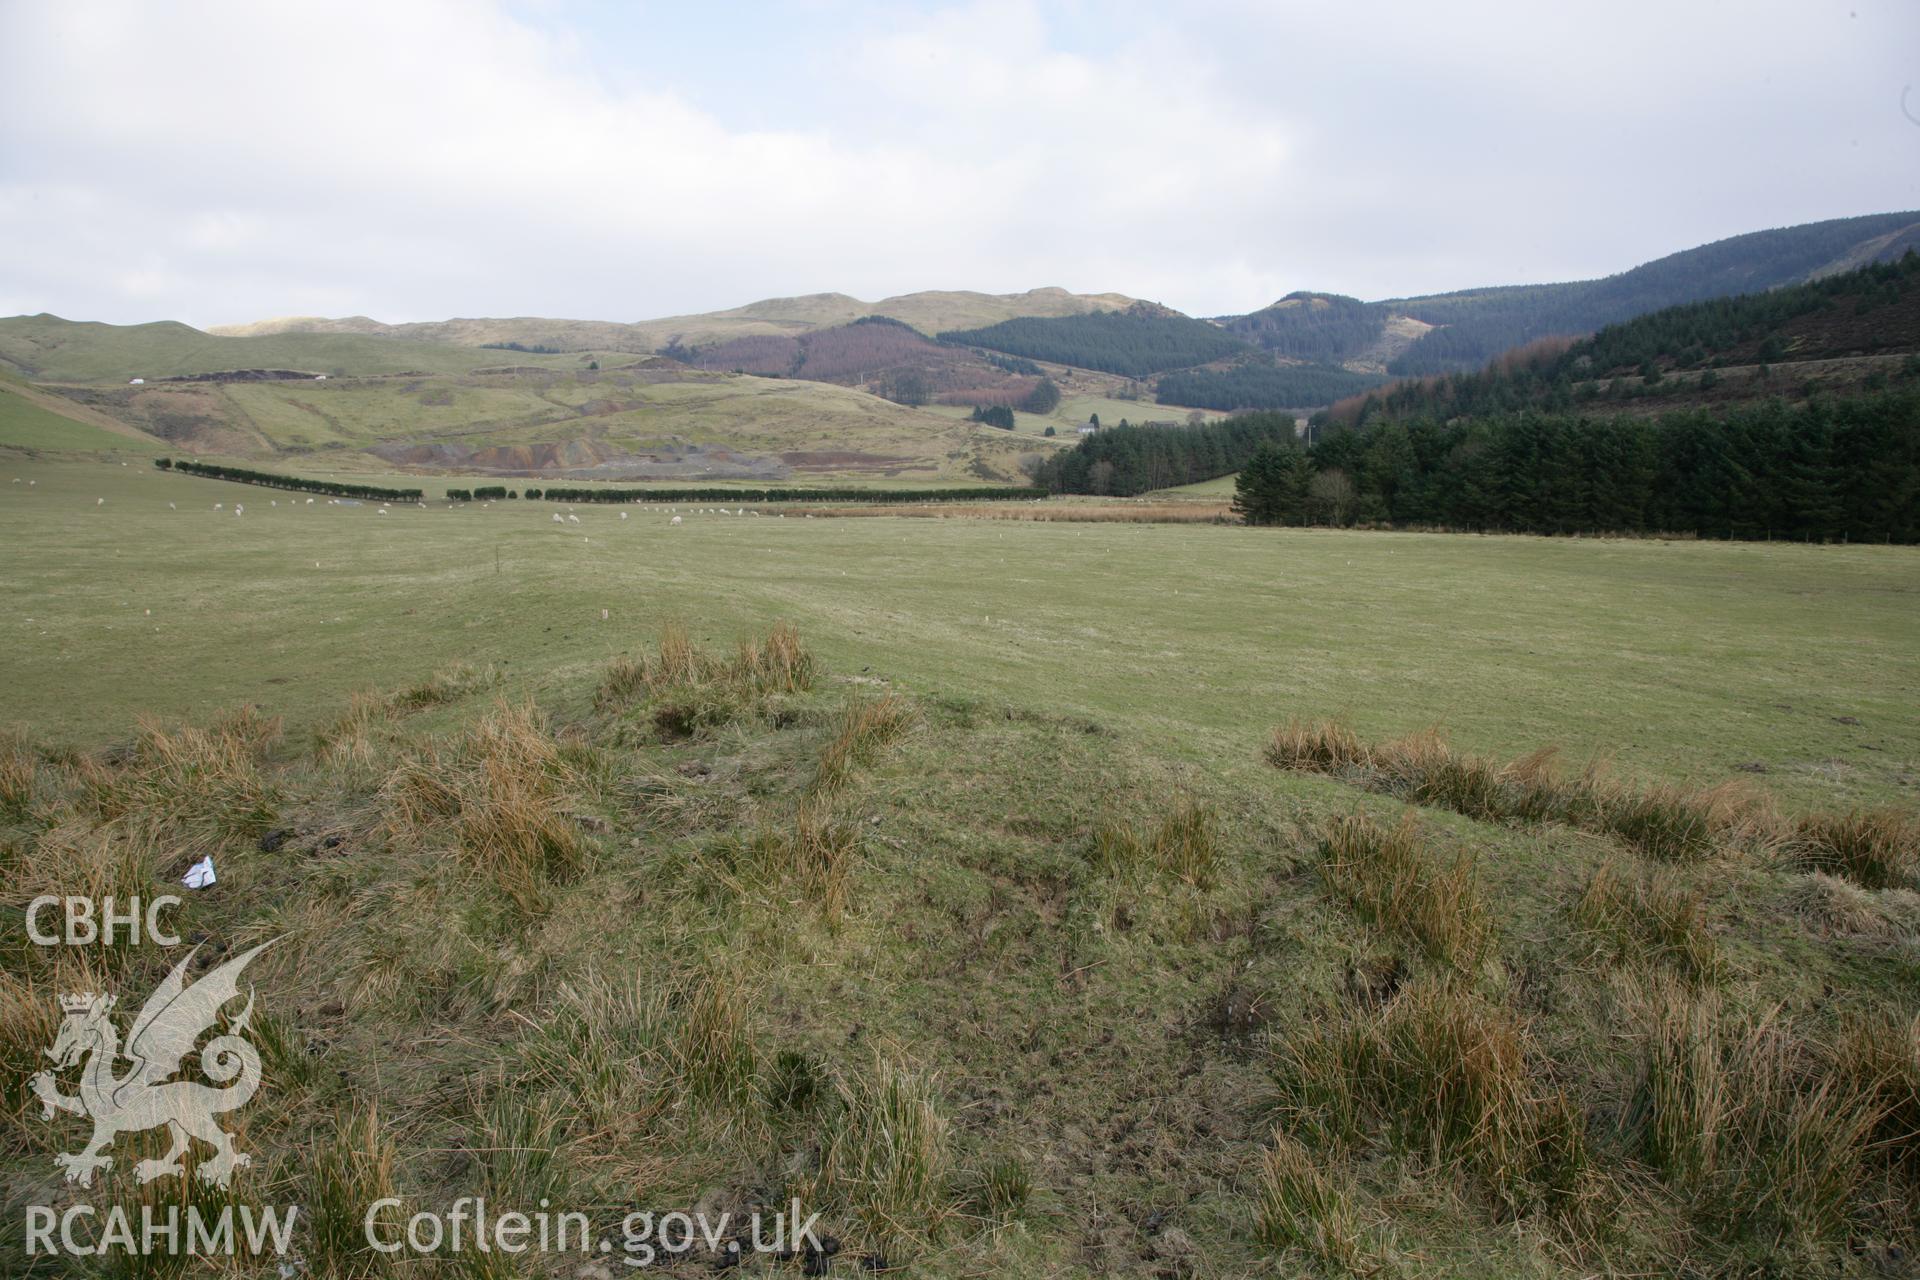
[{"x": 418, "y": 159}]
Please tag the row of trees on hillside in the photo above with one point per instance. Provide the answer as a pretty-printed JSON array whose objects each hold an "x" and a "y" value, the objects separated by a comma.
[
  {"x": 276, "y": 480},
  {"x": 1325, "y": 327},
  {"x": 1126, "y": 460},
  {"x": 1480, "y": 324},
  {"x": 1703, "y": 333},
  {"x": 1881, "y": 301},
  {"x": 836, "y": 493},
  {"x": 1846, "y": 469},
  {"x": 1138, "y": 341},
  {"x": 1262, "y": 384}
]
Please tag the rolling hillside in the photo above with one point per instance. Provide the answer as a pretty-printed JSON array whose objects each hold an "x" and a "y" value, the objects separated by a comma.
[
  {"x": 1841, "y": 333},
  {"x": 929, "y": 312},
  {"x": 47, "y": 348},
  {"x": 1441, "y": 333},
  {"x": 38, "y": 420},
  {"x": 825, "y": 383},
  {"x": 1142, "y": 340},
  {"x": 662, "y": 423}
]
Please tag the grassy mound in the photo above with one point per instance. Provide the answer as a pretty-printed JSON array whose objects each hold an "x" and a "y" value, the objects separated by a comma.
[{"x": 995, "y": 991}]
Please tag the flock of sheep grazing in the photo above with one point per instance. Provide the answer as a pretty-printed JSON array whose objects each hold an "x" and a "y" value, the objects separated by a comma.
[
  {"x": 240, "y": 509},
  {"x": 560, "y": 518}
]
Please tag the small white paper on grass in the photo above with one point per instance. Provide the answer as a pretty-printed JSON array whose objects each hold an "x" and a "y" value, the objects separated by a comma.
[{"x": 200, "y": 874}]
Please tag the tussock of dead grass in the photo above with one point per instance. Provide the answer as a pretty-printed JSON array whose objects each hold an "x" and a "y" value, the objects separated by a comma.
[
  {"x": 1832, "y": 905},
  {"x": 1388, "y": 875},
  {"x": 1182, "y": 844},
  {"x": 350, "y": 1168},
  {"x": 1769, "y": 1133},
  {"x": 689, "y": 689},
  {"x": 607, "y": 1056},
  {"x": 19, "y": 768},
  {"x": 450, "y": 683},
  {"x": 718, "y": 1063},
  {"x": 1445, "y": 1072},
  {"x": 778, "y": 664},
  {"x": 624, "y": 680},
  {"x": 814, "y": 850},
  {"x": 347, "y": 743},
  {"x": 1879, "y": 1057},
  {"x": 1663, "y": 821},
  {"x": 1877, "y": 850},
  {"x": 503, "y": 789},
  {"x": 885, "y": 1156},
  {"x": 523, "y": 1152},
  {"x": 867, "y": 727},
  {"x": 200, "y": 784},
  {"x": 1321, "y": 746},
  {"x": 29, "y": 1020},
  {"x": 77, "y": 858},
  {"x": 1649, "y": 916},
  {"x": 176, "y": 1197},
  {"x": 1301, "y": 1207}
]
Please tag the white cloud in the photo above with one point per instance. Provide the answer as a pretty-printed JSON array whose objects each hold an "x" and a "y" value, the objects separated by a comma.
[{"x": 413, "y": 159}]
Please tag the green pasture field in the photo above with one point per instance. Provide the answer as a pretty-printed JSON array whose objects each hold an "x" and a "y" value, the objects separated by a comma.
[
  {"x": 1794, "y": 667},
  {"x": 985, "y": 928}
]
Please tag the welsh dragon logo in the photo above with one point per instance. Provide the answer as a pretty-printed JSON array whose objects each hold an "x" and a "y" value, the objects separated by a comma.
[{"x": 145, "y": 1096}]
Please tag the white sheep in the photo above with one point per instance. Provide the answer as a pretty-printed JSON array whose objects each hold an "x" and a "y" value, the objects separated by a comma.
[
  {"x": 572, "y": 519},
  {"x": 675, "y": 520},
  {"x": 623, "y": 515},
  {"x": 99, "y": 502},
  {"x": 171, "y": 507},
  {"x": 219, "y": 506},
  {"x": 558, "y": 518}
]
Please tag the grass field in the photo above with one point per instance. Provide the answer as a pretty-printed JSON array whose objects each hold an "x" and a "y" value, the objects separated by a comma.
[
  {"x": 49, "y": 349},
  {"x": 548, "y": 423},
  {"x": 26, "y": 424},
  {"x": 985, "y": 914},
  {"x": 1218, "y": 487},
  {"x": 1684, "y": 659}
]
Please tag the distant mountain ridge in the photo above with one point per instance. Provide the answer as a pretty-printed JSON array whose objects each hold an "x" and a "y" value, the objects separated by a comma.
[
  {"x": 1836, "y": 335},
  {"x": 1462, "y": 330},
  {"x": 1304, "y": 347},
  {"x": 929, "y": 311}
]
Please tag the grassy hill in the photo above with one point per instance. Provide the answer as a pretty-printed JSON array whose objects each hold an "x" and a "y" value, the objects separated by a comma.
[
  {"x": 628, "y": 425},
  {"x": 47, "y": 348},
  {"x": 33, "y": 419},
  {"x": 928, "y": 312},
  {"x": 388, "y": 403}
]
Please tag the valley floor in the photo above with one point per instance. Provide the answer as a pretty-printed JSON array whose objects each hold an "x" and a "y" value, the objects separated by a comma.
[
  {"x": 1690, "y": 660},
  {"x": 979, "y": 909}
]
